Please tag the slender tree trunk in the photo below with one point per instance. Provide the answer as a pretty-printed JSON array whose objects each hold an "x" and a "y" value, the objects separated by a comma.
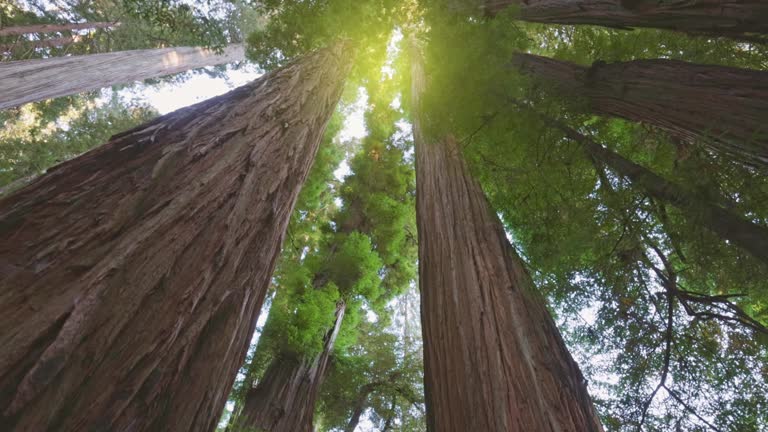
[
  {"x": 747, "y": 235},
  {"x": 284, "y": 400},
  {"x": 49, "y": 28},
  {"x": 131, "y": 277},
  {"x": 725, "y": 108},
  {"x": 35, "y": 80},
  {"x": 46, "y": 43},
  {"x": 732, "y": 18},
  {"x": 360, "y": 405},
  {"x": 494, "y": 359}
]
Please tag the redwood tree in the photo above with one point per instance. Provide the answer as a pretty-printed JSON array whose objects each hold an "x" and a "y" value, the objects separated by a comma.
[
  {"x": 364, "y": 260},
  {"x": 494, "y": 358},
  {"x": 725, "y": 108},
  {"x": 50, "y": 28},
  {"x": 133, "y": 274},
  {"x": 35, "y": 80},
  {"x": 733, "y": 18},
  {"x": 284, "y": 400}
]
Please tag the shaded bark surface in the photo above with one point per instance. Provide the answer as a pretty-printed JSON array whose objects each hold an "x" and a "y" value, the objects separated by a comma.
[
  {"x": 35, "y": 80},
  {"x": 722, "y": 107},
  {"x": 732, "y": 18},
  {"x": 747, "y": 235},
  {"x": 131, "y": 277},
  {"x": 284, "y": 400},
  {"x": 494, "y": 359},
  {"x": 49, "y": 28}
]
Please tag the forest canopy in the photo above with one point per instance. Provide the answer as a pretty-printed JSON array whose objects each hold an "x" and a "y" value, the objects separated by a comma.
[{"x": 543, "y": 200}]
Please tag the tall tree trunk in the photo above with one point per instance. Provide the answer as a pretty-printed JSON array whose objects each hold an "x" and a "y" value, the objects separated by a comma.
[
  {"x": 747, "y": 235},
  {"x": 732, "y": 18},
  {"x": 725, "y": 108},
  {"x": 45, "y": 43},
  {"x": 35, "y": 80},
  {"x": 131, "y": 277},
  {"x": 284, "y": 400},
  {"x": 494, "y": 359},
  {"x": 49, "y": 28}
]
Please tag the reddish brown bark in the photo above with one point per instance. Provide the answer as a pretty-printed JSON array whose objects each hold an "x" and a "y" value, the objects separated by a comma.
[
  {"x": 722, "y": 107},
  {"x": 49, "y": 28},
  {"x": 732, "y": 18},
  {"x": 494, "y": 359},
  {"x": 131, "y": 276},
  {"x": 284, "y": 400}
]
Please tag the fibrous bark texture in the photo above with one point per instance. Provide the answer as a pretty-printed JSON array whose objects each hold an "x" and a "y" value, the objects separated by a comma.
[
  {"x": 722, "y": 107},
  {"x": 284, "y": 400},
  {"x": 493, "y": 357},
  {"x": 131, "y": 277},
  {"x": 743, "y": 233},
  {"x": 35, "y": 80},
  {"x": 49, "y": 28},
  {"x": 732, "y": 18}
]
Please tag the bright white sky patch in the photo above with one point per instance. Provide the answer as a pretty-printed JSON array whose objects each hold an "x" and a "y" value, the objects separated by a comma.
[
  {"x": 170, "y": 97},
  {"x": 354, "y": 118}
]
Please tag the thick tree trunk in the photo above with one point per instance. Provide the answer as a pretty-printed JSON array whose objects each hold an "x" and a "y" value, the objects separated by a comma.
[
  {"x": 49, "y": 28},
  {"x": 494, "y": 359},
  {"x": 732, "y": 18},
  {"x": 725, "y": 108},
  {"x": 35, "y": 80},
  {"x": 747, "y": 235},
  {"x": 284, "y": 400},
  {"x": 131, "y": 277}
]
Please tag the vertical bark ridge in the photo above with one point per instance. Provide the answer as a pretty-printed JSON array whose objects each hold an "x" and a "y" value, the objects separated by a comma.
[
  {"x": 494, "y": 359},
  {"x": 131, "y": 270},
  {"x": 722, "y": 107}
]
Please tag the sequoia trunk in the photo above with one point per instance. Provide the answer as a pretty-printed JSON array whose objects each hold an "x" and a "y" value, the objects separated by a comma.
[
  {"x": 35, "y": 80},
  {"x": 284, "y": 400},
  {"x": 494, "y": 359},
  {"x": 725, "y": 108},
  {"x": 732, "y": 18},
  {"x": 747, "y": 235},
  {"x": 49, "y": 28},
  {"x": 131, "y": 277}
]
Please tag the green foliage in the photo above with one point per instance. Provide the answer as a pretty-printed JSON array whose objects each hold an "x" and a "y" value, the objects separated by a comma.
[
  {"x": 35, "y": 137},
  {"x": 381, "y": 376},
  {"x": 598, "y": 247}
]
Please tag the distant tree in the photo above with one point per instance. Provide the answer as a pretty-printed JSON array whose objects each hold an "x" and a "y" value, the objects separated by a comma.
[
  {"x": 721, "y": 107},
  {"x": 739, "y": 18},
  {"x": 36, "y": 80},
  {"x": 366, "y": 259}
]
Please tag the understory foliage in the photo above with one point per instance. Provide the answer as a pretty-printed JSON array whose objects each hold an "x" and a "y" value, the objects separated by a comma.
[
  {"x": 134, "y": 24},
  {"x": 666, "y": 319},
  {"x": 355, "y": 246}
]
